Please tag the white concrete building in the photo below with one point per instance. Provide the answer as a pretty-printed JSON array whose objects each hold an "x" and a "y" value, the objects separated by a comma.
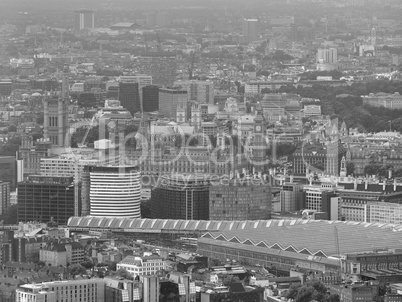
[
  {"x": 142, "y": 266},
  {"x": 312, "y": 110},
  {"x": 115, "y": 191}
]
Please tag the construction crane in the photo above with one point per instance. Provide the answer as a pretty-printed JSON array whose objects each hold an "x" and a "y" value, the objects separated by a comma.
[
  {"x": 95, "y": 117},
  {"x": 191, "y": 67},
  {"x": 77, "y": 164},
  {"x": 338, "y": 253}
]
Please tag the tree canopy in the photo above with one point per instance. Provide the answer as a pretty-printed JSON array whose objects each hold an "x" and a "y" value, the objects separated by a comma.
[
  {"x": 312, "y": 290},
  {"x": 346, "y": 103}
]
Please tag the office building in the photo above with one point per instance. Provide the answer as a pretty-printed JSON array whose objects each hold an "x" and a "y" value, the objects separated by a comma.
[
  {"x": 327, "y": 55},
  {"x": 199, "y": 91},
  {"x": 169, "y": 98},
  {"x": 6, "y": 87},
  {"x": 162, "y": 66},
  {"x": 129, "y": 95},
  {"x": 43, "y": 198},
  {"x": 159, "y": 19},
  {"x": 115, "y": 191},
  {"x": 151, "y": 288},
  {"x": 291, "y": 197},
  {"x": 62, "y": 253},
  {"x": 31, "y": 154},
  {"x": 162, "y": 19},
  {"x": 6, "y": 246},
  {"x": 240, "y": 199},
  {"x": 142, "y": 80},
  {"x": 122, "y": 290},
  {"x": 181, "y": 196},
  {"x": 142, "y": 266},
  {"x": 250, "y": 30},
  {"x": 66, "y": 291},
  {"x": 150, "y": 98},
  {"x": 34, "y": 292},
  {"x": 4, "y": 197},
  {"x": 66, "y": 165},
  {"x": 84, "y": 19},
  {"x": 8, "y": 171}
]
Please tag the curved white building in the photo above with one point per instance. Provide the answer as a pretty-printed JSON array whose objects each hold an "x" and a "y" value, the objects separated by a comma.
[{"x": 115, "y": 191}]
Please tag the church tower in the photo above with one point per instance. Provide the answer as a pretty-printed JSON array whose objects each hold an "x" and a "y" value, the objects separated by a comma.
[
  {"x": 343, "y": 171},
  {"x": 55, "y": 108}
]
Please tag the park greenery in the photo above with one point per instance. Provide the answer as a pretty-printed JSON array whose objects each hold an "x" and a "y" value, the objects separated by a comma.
[
  {"x": 346, "y": 104},
  {"x": 311, "y": 291}
]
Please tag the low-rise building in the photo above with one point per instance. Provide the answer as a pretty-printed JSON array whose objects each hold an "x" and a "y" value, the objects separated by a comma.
[
  {"x": 67, "y": 291},
  {"x": 62, "y": 254},
  {"x": 361, "y": 292},
  {"x": 139, "y": 266},
  {"x": 312, "y": 110}
]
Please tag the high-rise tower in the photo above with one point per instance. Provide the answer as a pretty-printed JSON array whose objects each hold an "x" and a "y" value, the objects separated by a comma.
[
  {"x": 84, "y": 19},
  {"x": 55, "y": 109},
  {"x": 250, "y": 29}
]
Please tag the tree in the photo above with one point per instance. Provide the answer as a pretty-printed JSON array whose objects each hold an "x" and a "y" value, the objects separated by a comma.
[
  {"x": 121, "y": 272},
  {"x": 333, "y": 298},
  {"x": 146, "y": 209},
  {"x": 11, "y": 147},
  {"x": 77, "y": 269},
  {"x": 112, "y": 265},
  {"x": 87, "y": 264},
  {"x": 350, "y": 168},
  {"x": 12, "y": 128},
  {"x": 11, "y": 215},
  {"x": 280, "y": 55},
  {"x": 214, "y": 262},
  {"x": 312, "y": 290}
]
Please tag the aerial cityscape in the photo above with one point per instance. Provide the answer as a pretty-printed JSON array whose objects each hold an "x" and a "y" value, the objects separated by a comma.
[{"x": 201, "y": 151}]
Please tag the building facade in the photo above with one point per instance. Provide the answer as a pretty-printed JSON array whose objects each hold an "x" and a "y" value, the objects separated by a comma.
[
  {"x": 114, "y": 191},
  {"x": 199, "y": 91},
  {"x": 8, "y": 171},
  {"x": 129, "y": 95},
  {"x": 66, "y": 291},
  {"x": 162, "y": 66},
  {"x": 169, "y": 98},
  {"x": 181, "y": 196},
  {"x": 240, "y": 199},
  {"x": 150, "y": 98},
  {"x": 56, "y": 254},
  {"x": 327, "y": 55},
  {"x": 291, "y": 197},
  {"x": 84, "y": 19},
  {"x": 4, "y": 197},
  {"x": 382, "y": 99},
  {"x": 142, "y": 266},
  {"x": 43, "y": 198},
  {"x": 250, "y": 30}
]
